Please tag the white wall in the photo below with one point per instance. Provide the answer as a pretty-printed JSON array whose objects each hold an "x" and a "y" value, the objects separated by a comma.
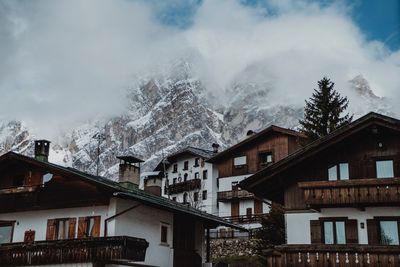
[
  {"x": 298, "y": 224},
  {"x": 37, "y": 220},
  {"x": 145, "y": 222},
  {"x": 210, "y": 184}
]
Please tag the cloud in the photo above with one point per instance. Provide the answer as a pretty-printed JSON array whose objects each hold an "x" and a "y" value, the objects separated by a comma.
[{"x": 67, "y": 61}]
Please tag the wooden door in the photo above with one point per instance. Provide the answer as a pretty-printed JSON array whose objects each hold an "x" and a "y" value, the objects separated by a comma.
[
  {"x": 258, "y": 207},
  {"x": 235, "y": 210},
  {"x": 184, "y": 242}
]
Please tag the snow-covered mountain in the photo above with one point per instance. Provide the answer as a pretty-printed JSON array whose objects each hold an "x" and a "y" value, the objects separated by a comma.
[{"x": 168, "y": 111}]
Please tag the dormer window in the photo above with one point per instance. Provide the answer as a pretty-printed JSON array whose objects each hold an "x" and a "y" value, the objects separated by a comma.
[
  {"x": 384, "y": 169},
  {"x": 338, "y": 172}
]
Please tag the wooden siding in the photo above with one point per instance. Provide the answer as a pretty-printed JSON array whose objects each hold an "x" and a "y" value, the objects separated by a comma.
[
  {"x": 333, "y": 256},
  {"x": 360, "y": 151},
  {"x": 278, "y": 144}
]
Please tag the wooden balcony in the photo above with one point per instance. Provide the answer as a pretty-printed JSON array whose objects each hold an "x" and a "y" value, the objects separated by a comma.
[
  {"x": 19, "y": 190},
  {"x": 356, "y": 192},
  {"x": 181, "y": 187},
  {"x": 333, "y": 256},
  {"x": 99, "y": 250},
  {"x": 226, "y": 196}
]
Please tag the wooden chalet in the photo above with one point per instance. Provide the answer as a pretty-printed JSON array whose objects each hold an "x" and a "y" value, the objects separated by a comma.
[
  {"x": 53, "y": 215},
  {"x": 254, "y": 153},
  {"x": 341, "y": 196}
]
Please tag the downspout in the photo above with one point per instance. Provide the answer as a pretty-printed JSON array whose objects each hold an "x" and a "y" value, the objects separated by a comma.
[{"x": 116, "y": 215}]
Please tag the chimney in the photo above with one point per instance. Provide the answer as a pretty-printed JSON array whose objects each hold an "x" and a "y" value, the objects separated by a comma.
[
  {"x": 129, "y": 171},
  {"x": 42, "y": 148},
  {"x": 215, "y": 147},
  {"x": 250, "y": 132},
  {"x": 153, "y": 183}
]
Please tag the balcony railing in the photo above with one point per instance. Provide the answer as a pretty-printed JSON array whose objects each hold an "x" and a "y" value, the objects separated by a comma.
[
  {"x": 357, "y": 192},
  {"x": 102, "y": 249},
  {"x": 333, "y": 255},
  {"x": 234, "y": 194},
  {"x": 184, "y": 186},
  {"x": 19, "y": 190},
  {"x": 245, "y": 219}
]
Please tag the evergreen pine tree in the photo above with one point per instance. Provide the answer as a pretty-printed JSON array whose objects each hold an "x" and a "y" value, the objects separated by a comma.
[{"x": 322, "y": 113}]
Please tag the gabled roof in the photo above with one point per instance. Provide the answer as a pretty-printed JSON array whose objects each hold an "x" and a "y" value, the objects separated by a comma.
[
  {"x": 120, "y": 191},
  {"x": 194, "y": 151},
  {"x": 254, "y": 138},
  {"x": 252, "y": 183}
]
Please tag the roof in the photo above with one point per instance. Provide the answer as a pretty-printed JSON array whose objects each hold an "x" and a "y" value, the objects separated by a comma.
[
  {"x": 120, "y": 191},
  {"x": 254, "y": 138},
  {"x": 194, "y": 151},
  {"x": 252, "y": 183}
]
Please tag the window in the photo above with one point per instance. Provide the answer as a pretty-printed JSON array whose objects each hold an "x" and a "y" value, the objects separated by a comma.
[
  {"x": 89, "y": 227},
  {"x": 389, "y": 232},
  {"x": 334, "y": 232},
  {"x": 204, "y": 194},
  {"x": 174, "y": 181},
  {"x": 249, "y": 212},
  {"x": 235, "y": 186},
  {"x": 175, "y": 168},
  {"x": 196, "y": 162},
  {"x": 239, "y": 161},
  {"x": 196, "y": 196},
  {"x": 185, "y": 176},
  {"x": 205, "y": 174},
  {"x": 185, "y": 198},
  {"x": 384, "y": 169},
  {"x": 265, "y": 158},
  {"x": 6, "y": 232},
  {"x": 174, "y": 199},
  {"x": 62, "y": 228},
  {"x": 186, "y": 165},
  {"x": 196, "y": 175},
  {"x": 339, "y": 172},
  {"x": 164, "y": 234}
]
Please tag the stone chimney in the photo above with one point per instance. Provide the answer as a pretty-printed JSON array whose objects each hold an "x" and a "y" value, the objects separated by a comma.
[
  {"x": 42, "y": 148},
  {"x": 153, "y": 183},
  {"x": 215, "y": 147},
  {"x": 129, "y": 171}
]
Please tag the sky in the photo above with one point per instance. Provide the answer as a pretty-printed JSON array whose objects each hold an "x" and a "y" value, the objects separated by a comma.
[{"x": 67, "y": 61}]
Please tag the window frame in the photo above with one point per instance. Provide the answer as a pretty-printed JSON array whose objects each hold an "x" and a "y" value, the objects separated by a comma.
[
  {"x": 338, "y": 171},
  {"x": 196, "y": 162},
  {"x": 165, "y": 226},
  {"x": 376, "y": 160},
  {"x": 175, "y": 168},
  {"x": 7, "y": 224},
  {"x": 197, "y": 175},
  {"x": 204, "y": 195},
  {"x": 387, "y": 219},
  {"x": 205, "y": 174},
  {"x": 185, "y": 165},
  {"x": 239, "y": 165},
  {"x": 266, "y": 152},
  {"x": 57, "y": 229},
  {"x": 334, "y": 220}
]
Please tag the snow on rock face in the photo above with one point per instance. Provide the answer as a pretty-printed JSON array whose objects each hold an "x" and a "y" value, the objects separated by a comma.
[{"x": 167, "y": 112}]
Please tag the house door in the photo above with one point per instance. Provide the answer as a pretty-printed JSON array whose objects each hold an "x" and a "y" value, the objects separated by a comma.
[
  {"x": 258, "y": 206},
  {"x": 184, "y": 243},
  {"x": 235, "y": 211}
]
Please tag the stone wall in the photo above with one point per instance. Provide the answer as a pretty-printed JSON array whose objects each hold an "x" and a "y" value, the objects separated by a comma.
[{"x": 232, "y": 247}]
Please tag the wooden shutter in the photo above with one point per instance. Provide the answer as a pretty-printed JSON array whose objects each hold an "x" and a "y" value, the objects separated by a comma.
[
  {"x": 351, "y": 232},
  {"x": 372, "y": 229},
  {"x": 82, "y": 227},
  {"x": 316, "y": 231},
  {"x": 234, "y": 208},
  {"x": 258, "y": 206},
  {"x": 51, "y": 229},
  {"x": 96, "y": 227},
  {"x": 71, "y": 228},
  {"x": 29, "y": 236}
]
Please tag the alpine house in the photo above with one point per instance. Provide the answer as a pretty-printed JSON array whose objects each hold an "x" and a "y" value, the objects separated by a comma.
[
  {"x": 341, "y": 196},
  {"x": 52, "y": 215}
]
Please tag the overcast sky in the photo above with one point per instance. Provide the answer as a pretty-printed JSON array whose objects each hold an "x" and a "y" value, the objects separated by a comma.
[{"x": 66, "y": 61}]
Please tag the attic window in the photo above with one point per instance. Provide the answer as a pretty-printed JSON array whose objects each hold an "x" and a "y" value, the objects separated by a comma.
[
  {"x": 240, "y": 161},
  {"x": 265, "y": 158},
  {"x": 384, "y": 169}
]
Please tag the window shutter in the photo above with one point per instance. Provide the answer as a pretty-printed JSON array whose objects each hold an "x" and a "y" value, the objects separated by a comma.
[
  {"x": 316, "y": 235},
  {"x": 82, "y": 227},
  {"x": 51, "y": 229},
  {"x": 351, "y": 232},
  {"x": 372, "y": 229},
  {"x": 96, "y": 227},
  {"x": 71, "y": 228},
  {"x": 29, "y": 236}
]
